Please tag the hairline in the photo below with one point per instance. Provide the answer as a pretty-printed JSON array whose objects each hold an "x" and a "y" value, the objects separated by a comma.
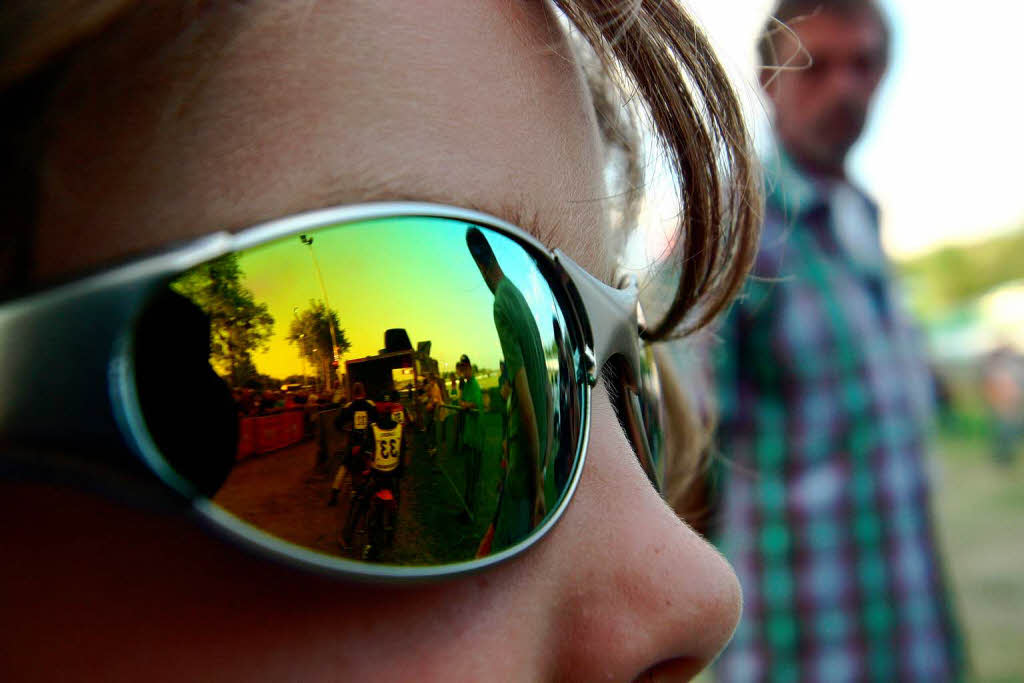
[{"x": 787, "y": 11}]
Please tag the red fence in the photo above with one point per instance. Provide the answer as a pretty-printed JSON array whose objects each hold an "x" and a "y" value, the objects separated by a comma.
[{"x": 269, "y": 432}]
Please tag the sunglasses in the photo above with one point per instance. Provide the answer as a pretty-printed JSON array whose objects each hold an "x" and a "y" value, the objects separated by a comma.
[{"x": 300, "y": 386}]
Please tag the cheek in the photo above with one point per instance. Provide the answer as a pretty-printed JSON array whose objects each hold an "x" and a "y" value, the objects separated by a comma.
[{"x": 798, "y": 97}]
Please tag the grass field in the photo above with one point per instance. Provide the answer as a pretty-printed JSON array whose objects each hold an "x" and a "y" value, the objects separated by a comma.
[
  {"x": 435, "y": 523},
  {"x": 980, "y": 511}
]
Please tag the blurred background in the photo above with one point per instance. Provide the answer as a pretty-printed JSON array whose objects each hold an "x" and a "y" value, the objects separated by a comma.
[{"x": 942, "y": 155}]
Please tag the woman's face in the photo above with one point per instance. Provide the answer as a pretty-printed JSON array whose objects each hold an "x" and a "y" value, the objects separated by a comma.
[{"x": 254, "y": 112}]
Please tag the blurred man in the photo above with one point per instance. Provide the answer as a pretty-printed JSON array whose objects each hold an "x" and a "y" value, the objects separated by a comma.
[
  {"x": 822, "y": 502},
  {"x": 1001, "y": 388}
]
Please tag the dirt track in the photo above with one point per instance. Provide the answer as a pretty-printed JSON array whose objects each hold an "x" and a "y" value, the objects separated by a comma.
[{"x": 286, "y": 493}]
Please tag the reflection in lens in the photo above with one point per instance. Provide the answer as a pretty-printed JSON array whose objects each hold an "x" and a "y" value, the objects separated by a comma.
[
  {"x": 405, "y": 389},
  {"x": 651, "y": 407},
  {"x": 522, "y": 501}
]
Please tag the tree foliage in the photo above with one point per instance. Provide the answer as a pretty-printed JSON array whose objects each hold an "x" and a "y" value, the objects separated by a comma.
[
  {"x": 238, "y": 324},
  {"x": 953, "y": 276},
  {"x": 310, "y": 331}
]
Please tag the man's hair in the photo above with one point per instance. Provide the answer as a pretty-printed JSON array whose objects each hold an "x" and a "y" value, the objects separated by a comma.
[
  {"x": 790, "y": 11},
  {"x": 479, "y": 248}
]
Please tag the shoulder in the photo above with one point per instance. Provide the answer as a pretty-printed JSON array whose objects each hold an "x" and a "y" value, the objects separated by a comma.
[
  {"x": 508, "y": 294},
  {"x": 795, "y": 202}
]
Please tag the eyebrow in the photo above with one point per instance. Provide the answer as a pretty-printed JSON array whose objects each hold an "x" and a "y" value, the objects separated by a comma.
[{"x": 513, "y": 211}]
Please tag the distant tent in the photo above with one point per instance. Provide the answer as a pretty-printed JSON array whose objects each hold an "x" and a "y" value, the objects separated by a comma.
[{"x": 396, "y": 339}]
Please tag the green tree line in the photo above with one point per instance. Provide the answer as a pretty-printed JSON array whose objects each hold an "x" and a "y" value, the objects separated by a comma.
[
  {"x": 953, "y": 276},
  {"x": 241, "y": 326}
]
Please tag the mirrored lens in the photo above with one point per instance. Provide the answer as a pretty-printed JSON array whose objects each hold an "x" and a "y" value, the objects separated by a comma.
[
  {"x": 401, "y": 391},
  {"x": 651, "y": 408}
]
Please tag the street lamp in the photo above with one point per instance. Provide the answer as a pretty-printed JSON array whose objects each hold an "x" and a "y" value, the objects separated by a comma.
[{"x": 308, "y": 241}]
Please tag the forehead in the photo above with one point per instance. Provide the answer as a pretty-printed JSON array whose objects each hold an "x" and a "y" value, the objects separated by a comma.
[
  {"x": 827, "y": 34},
  {"x": 258, "y": 112}
]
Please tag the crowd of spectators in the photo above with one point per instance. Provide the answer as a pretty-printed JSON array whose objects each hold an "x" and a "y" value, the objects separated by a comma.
[{"x": 253, "y": 402}]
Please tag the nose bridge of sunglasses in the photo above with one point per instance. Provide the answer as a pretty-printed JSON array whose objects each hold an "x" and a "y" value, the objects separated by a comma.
[{"x": 610, "y": 315}]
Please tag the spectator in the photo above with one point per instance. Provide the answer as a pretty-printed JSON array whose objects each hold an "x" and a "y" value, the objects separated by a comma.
[
  {"x": 823, "y": 502},
  {"x": 471, "y": 402},
  {"x": 530, "y": 400},
  {"x": 431, "y": 412},
  {"x": 1003, "y": 390}
]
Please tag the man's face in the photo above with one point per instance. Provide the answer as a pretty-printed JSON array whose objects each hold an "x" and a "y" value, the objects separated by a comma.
[{"x": 820, "y": 110}]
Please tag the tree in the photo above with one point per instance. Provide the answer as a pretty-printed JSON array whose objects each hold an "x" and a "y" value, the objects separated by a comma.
[
  {"x": 951, "y": 277},
  {"x": 310, "y": 331},
  {"x": 238, "y": 325}
]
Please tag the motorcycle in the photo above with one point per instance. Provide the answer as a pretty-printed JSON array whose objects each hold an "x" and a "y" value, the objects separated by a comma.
[
  {"x": 372, "y": 515},
  {"x": 380, "y": 522}
]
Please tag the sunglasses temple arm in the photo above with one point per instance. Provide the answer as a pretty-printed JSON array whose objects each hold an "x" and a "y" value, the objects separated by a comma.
[
  {"x": 609, "y": 315},
  {"x": 63, "y": 351},
  {"x": 58, "y": 363}
]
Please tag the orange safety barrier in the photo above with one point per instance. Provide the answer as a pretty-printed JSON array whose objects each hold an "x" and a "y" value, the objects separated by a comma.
[{"x": 269, "y": 432}]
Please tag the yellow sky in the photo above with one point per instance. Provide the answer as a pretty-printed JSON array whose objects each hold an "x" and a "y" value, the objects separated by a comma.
[{"x": 412, "y": 273}]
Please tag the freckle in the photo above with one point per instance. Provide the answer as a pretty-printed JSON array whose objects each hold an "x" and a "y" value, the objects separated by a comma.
[{"x": 483, "y": 583}]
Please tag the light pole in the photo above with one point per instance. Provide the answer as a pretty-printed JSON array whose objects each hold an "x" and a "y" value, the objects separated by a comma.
[{"x": 335, "y": 356}]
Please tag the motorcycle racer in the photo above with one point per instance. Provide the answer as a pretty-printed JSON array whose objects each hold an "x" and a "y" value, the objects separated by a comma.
[{"x": 355, "y": 419}]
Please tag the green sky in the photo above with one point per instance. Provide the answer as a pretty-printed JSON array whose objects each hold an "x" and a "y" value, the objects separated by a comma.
[{"x": 415, "y": 273}]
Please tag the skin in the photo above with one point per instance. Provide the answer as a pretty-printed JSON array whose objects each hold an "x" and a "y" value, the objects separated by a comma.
[
  {"x": 255, "y": 111},
  {"x": 821, "y": 107}
]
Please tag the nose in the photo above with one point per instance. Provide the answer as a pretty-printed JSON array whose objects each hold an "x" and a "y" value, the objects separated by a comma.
[
  {"x": 853, "y": 79},
  {"x": 633, "y": 590}
]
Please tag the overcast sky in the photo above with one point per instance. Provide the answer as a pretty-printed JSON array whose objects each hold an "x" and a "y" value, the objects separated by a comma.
[{"x": 944, "y": 153}]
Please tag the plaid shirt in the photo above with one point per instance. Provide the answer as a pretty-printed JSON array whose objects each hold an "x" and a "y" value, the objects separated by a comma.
[{"x": 822, "y": 493}]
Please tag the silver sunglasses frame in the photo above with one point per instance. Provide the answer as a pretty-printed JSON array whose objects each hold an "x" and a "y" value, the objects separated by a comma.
[{"x": 88, "y": 363}]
